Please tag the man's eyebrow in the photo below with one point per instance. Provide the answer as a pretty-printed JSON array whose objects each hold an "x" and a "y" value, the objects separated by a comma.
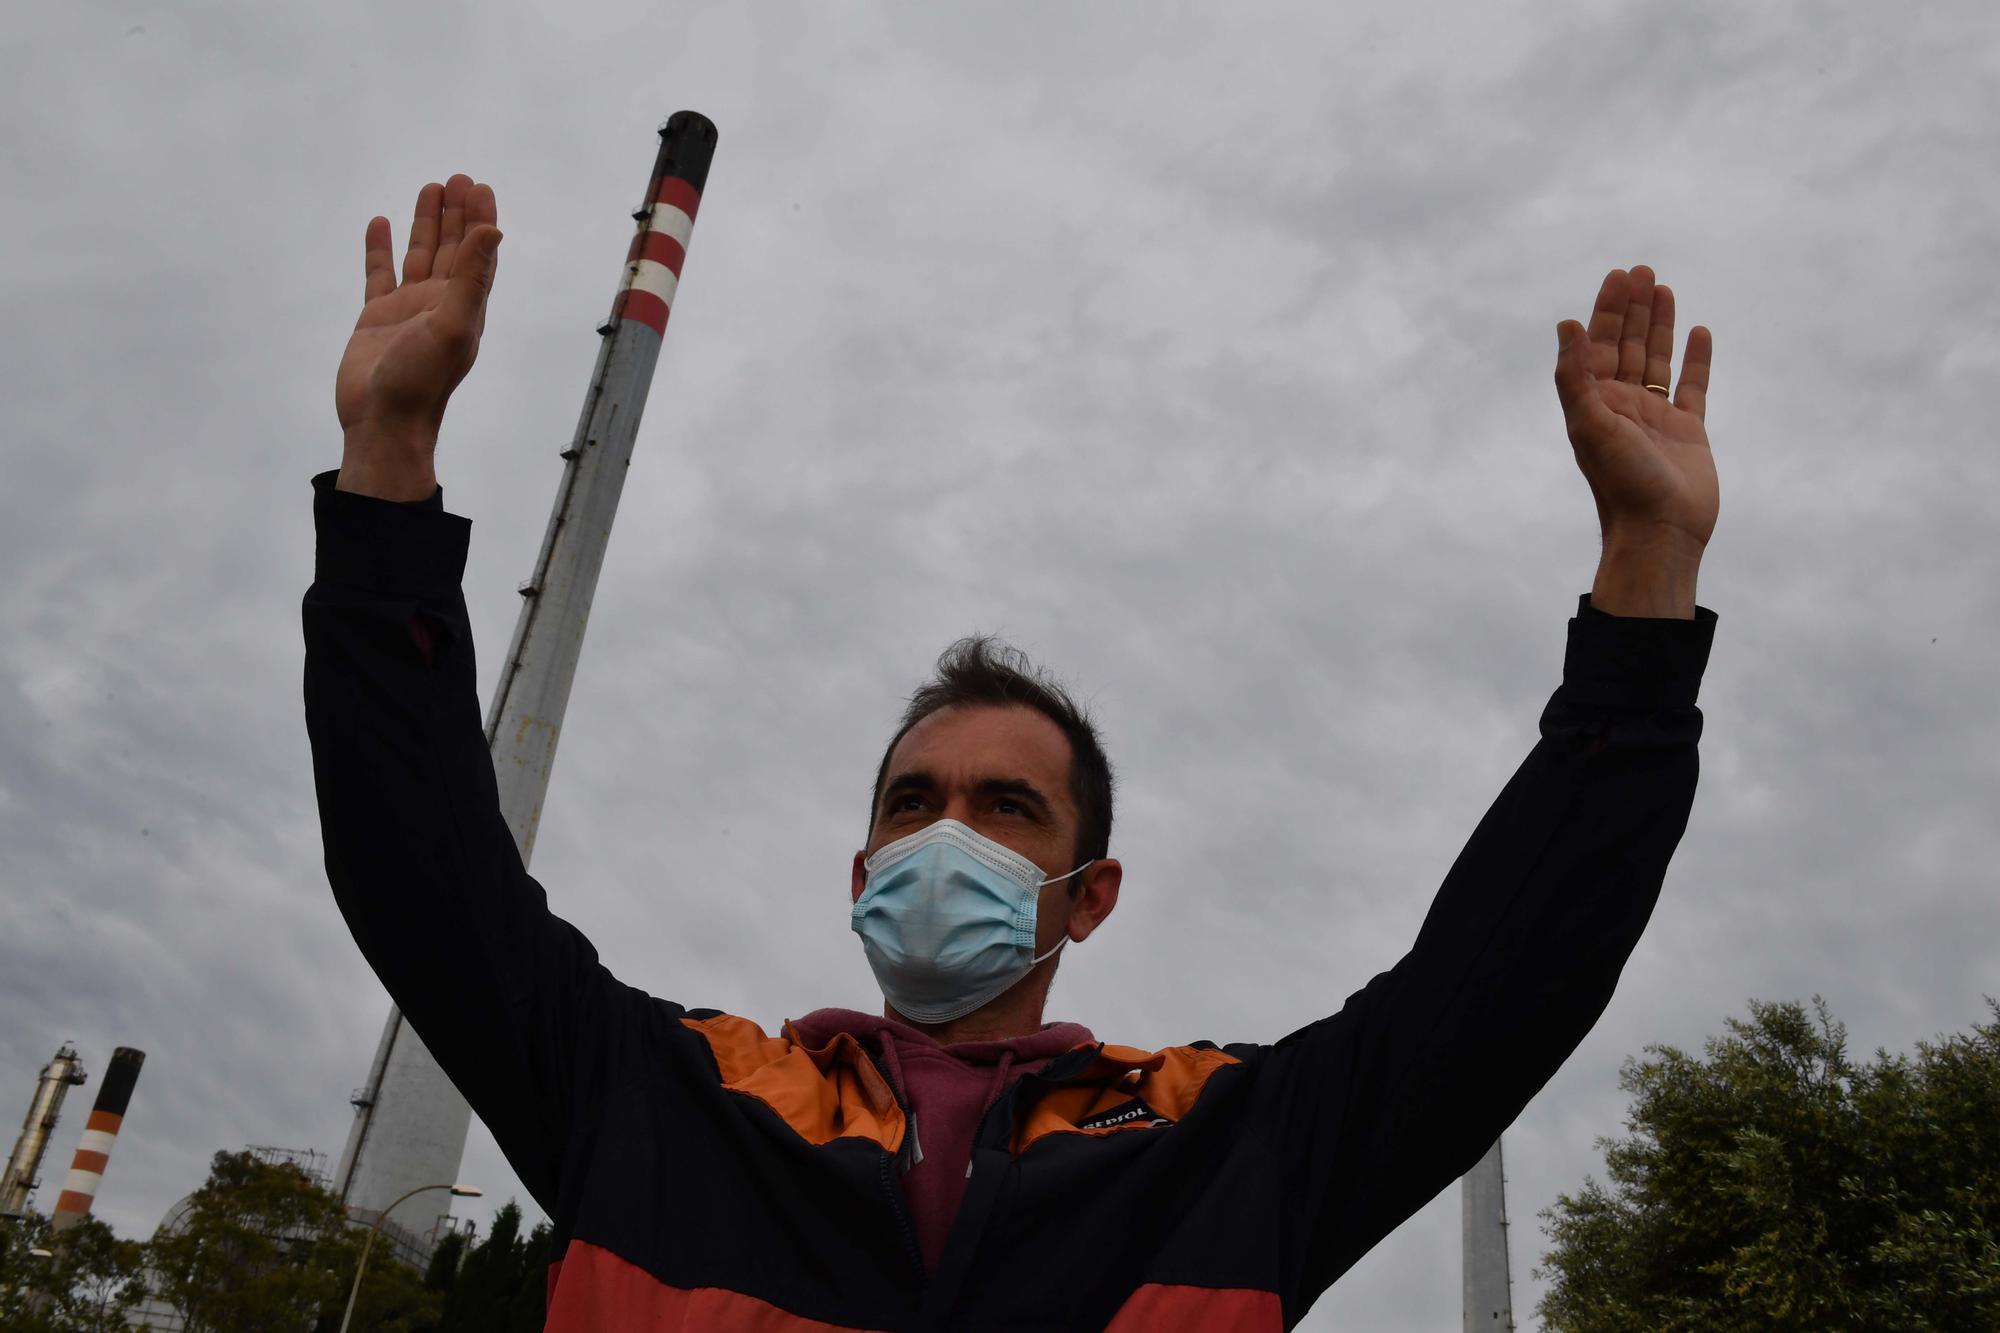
[
  {"x": 916, "y": 780},
  {"x": 923, "y": 782},
  {"x": 1019, "y": 788}
]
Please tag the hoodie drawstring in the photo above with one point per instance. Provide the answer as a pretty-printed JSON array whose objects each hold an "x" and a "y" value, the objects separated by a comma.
[{"x": 999, "y": 1084}]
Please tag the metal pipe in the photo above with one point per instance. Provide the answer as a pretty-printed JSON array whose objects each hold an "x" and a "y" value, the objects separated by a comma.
[
  {"x": 61, "y": 1074},
  {"x": 460, "y": 1191}
]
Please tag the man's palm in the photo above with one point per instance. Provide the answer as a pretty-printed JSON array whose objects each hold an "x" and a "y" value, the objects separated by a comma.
[
  {"x": 1645, "y": 455},
  {"x": 415, "y": 341}
]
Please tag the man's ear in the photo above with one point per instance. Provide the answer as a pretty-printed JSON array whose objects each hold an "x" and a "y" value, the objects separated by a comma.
[
  {"x": 860, "y": 874},
  {"x": 1098, "y": 898}
]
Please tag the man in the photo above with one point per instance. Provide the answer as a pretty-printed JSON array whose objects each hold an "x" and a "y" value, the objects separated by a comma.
[{"x": 955, "y": 1162}]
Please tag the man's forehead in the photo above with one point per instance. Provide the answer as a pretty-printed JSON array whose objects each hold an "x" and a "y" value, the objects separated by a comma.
[{"x": 971, "y": 739}]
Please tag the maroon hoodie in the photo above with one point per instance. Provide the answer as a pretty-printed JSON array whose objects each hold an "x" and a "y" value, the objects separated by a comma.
[{"x": 947, "y": 1089}]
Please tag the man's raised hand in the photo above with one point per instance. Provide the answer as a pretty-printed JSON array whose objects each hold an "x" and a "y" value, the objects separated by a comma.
[
  {"x": 1645, "y": 454},
  {"x": 415, "y": 340}
]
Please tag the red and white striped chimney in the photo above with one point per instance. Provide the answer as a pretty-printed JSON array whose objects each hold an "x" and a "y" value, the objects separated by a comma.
[{"x": 94, "y": 1151}]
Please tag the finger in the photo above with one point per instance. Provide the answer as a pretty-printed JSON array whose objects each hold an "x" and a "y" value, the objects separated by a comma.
[
  {"x": 379, "y": 260},
  {"x": 452, "y": 223},
  {"x": 423, "y": 234},
  {"x": 1576, "y": 384},
  {"x": 464, "y": 303},
  {"x": 1692, "y": 396},
  {"x": 1660, "y": 339},
  {"x": 1638, "y": 316},
  {"x": 1607, "y": 321},
  {"x": 481, "y": 208}
]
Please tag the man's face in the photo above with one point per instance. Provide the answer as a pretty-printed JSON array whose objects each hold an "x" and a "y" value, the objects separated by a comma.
[{"x": 1003, "y": 771}]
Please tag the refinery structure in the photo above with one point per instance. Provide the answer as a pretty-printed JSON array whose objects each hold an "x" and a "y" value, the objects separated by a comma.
[
  {"x": 24, "y": 1164},
  {"x": 93, "y": 1151}
]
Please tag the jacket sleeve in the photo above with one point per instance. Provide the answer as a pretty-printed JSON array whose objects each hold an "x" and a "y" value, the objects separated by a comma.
[
  {"x": 509, "y": 998},
  {"x": 1375, "y": 1110}
]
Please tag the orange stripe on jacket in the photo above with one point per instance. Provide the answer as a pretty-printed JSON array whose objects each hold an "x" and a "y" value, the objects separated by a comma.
[
  {"x": 1159, "y": 1307},
  {"x": 825, "y": 1093},
  {"x": 1168, "y": 1081},
  {"x": 592, "y": 1290}
]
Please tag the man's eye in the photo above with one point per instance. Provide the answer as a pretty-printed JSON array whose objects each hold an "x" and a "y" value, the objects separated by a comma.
[
  {"x": 904, "y": 805},
  {"x": 1010, "y": 808}
]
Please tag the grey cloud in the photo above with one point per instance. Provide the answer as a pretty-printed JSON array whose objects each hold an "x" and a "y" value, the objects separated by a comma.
[{"x": 1207, "y": 360}]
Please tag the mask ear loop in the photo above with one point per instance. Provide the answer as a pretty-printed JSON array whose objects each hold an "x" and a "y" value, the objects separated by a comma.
[{"x": 1057, "y": 879}]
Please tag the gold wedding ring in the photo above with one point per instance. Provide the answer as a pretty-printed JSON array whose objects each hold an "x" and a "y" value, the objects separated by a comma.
[{"x": 1661, "y": 387}]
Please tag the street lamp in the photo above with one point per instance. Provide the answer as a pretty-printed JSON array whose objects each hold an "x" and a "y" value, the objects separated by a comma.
[{"x": 462, "y": 1191}]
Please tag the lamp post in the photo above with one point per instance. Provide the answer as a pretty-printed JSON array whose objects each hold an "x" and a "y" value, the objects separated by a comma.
[
  {"x": 461, "y": 1191},
  {"x": 38, "y": 1300}
]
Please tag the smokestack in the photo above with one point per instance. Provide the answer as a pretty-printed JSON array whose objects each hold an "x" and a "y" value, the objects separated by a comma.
[
  {"x": 410, "y": 1122},
  {"x": 58, "y": 1077},
  {"x": 73, "y": 1205}
]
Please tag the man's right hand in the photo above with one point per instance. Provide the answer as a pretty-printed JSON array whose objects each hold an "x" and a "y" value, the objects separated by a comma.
[{"x": 414, "y": 342}]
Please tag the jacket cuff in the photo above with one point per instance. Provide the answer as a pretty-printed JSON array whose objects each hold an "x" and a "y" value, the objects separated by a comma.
[
  {"x": 1636, "y": 662},
  {"x": 409, "y": 548}
]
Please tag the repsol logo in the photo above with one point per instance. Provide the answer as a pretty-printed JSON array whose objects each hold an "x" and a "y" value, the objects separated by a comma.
[{"x": 1122, "y": 1114}]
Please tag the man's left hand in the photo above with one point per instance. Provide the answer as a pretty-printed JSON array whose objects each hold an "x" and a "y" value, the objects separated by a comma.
[{"x": 1644, "y": 454}]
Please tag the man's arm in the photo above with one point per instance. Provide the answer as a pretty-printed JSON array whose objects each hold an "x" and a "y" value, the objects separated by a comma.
[
  {"x": 1376, "y": 1109},
  {"x": 510, "y": 999}
]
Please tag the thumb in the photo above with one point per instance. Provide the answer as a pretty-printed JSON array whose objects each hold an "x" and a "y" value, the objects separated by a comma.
[
  {"x": 472, "y": 270},
  {"x": 1587, "y": 417},
  {"x": 1573, "y": 377}
]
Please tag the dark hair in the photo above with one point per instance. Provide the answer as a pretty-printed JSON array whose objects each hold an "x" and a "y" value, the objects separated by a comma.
[{"x": 981, "y": 670}]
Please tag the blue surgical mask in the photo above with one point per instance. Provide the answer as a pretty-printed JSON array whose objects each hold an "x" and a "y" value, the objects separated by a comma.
[{"x": 947, "y": 918}]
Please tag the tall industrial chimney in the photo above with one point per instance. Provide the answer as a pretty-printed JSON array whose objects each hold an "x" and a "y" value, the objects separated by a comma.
[
  {"x": 410, "y": 1122},
  {"x": 86, "y": 1171},
  {"x": 58, "y": 1077},
  {"x": 1489, "y": 1289}
]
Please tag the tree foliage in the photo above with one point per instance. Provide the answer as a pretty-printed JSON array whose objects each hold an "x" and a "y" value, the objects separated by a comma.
[
  {"x": 499, "y": 1285},
  {"x": 264, "y": 1246},
  {"x": 1776, "y": 1185},
  {"x": 252, "y": 1251},
  {"x": 87, "y": 1281}
]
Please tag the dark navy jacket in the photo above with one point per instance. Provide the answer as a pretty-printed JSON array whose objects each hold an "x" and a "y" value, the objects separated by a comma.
[{"x": 703, "y": 1174}]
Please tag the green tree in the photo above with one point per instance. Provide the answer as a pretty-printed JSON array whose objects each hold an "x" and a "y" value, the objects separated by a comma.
[
  {"x": 1776, "y": 1185},
  {"x": 445, "y": 1259},
  {"x": 86, "y": 1282},
  {"x": 266, "y": 1247},
  {"x": 21, "y": 1273},
  {"x": 394, "y": 1296},
  {"x": 499, "y": 1285}
]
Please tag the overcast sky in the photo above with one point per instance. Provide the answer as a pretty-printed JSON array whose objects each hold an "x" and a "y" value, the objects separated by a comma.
[{"x": 1204, "y": 353}]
